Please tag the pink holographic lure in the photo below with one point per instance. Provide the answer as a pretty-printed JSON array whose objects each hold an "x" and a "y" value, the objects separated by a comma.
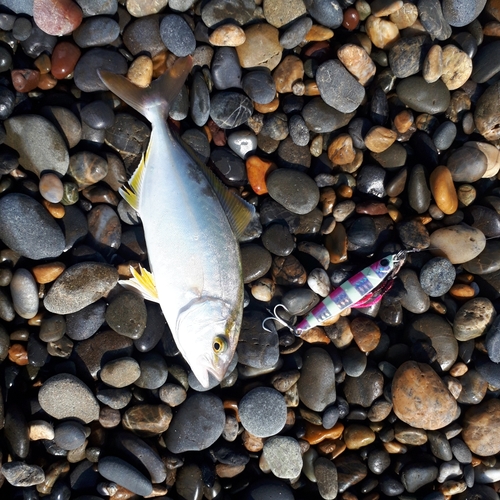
[{"x": 362, "y": 290}]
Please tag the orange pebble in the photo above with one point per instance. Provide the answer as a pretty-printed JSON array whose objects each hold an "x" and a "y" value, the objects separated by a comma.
[
  {"x": 46, "y": 273},
  {"x": 257, "y": 171},
  {"x": 18, "y": 354},
  {"x": 159, "y": 64},
  {"x": 344, "y": 191},
  {"x": 55, "y": 209},
  {"x": 461, "y": 291},
  {"x": 465, "y": 278},
  {"x": 317, "y": 433},
  {"x": 63, "y": 60},
  {"x": 311, "y": 88},
  {"x": 315, "y": 335},
  {"x": 47, "y": 82},
  {"x": 267, "y": 108}
]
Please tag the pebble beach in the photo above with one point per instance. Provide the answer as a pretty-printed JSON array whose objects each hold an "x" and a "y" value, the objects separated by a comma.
[{"x": 357, "y": 129}]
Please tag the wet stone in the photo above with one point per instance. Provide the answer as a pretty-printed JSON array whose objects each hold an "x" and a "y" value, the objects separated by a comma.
[
  {"x": 346, "y": 94},
  {"x": 126, "y": 314},
  {"x": 416, "y": 475},
  {"x": 414, "y": 234},
  {"x": 147, "y": 420},
  {"x": 486, "y": 63},
  {"x": 467, "y": 164},
  {"x": 406, "y": 56},
  {"x": 65, "y": 396},
  {"x": 371, "y": 180},
  {"x": 320, "y": 117},
  {"x": 104, "y": 227},
  {"x": 458, "y": 244},
  {"x": 198, "y": 423},
  {"x": 278, "y": 239},
  {"x": 263, "y": 412},
  {"x": 484, "y": 219}
]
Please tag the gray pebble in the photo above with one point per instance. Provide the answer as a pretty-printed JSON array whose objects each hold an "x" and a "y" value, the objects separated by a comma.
[
  {"x": 230, "y": 109},
  {"x": 263, "y": 412},
  {"x": 320, "y": 117},
  {"x": 295, "y": 190},
  {"x": 215, "y": 11},
  {"x": 69, "y": 435},
  {"x": 153, "y": 370},
  {"x": 259, "y": 86},
  {"x": 444, "y": 135},
  {"x": 337, "y": 86},
  {"x": 326, "y": 12},
  {"x": 24, "y": 292},
  {"x": 120, "y": 472},
  {"x": 96, "y": 31},
  {"x": 327, "y": 478},
  {"x": 177, "y": 35},
  {"x": 317, "y": 381},
  {"x": 66, "y": 396},
  {"x": 437, "y": 276},
  {"x": 298, "y": 130},
  {"x": 423, "y": 97},
  {"x": 295, "y": 33},
  {"x": 198, "y": 423},
  {"x": 98, "y": 115},
  {"x": 200, "y": 100},
  {"x": 462, "y": 12},
  {"x": 83, "y": 324},
  {"x": 126, "y": 314},
  {"x": 22, "y": 475},
  {"x": 225, "y": 69},
  {"x": 283, "y": 456}
]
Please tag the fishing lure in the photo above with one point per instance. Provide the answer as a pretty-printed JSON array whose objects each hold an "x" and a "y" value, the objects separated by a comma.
[{"x": 362, "y": 290}]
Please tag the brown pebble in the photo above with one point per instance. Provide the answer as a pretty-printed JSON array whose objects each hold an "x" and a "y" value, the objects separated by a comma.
[
  {"x": 42, "y": 63},
  {"x": 405, "y": 16},
  {"x": 351, "y": 19},
  {"x": 316, "y": 433},
  {"x": 443, "y": 190},
  {"x": 47, "y": 82},
  {"x": 393, "y": 447},
  {"x": 341, "y": 150},
  {"x": 406, "y": 434},
  {"x": 252, "y": 443},
  {"x": 63, "y": 60},
  {"x": 287, "y": 72},
  {"x": 318, "y": 33},
  {"x": 357, "y": 62},
  {"x": 357, "y": 436},
  {"x": 403, "y": 121},
  {"x": 382, "y": 33},
  {"x": 100, "y": 193},
  {"x": 51, "y": 187},
  {"x": 382, "y": 8},
  {"x": 261, "y": 47},
  {"x": 327, "y": 200},
  {"x": 336, "y": 244},
  {"x": 433, "y": 64},
  {"x": 288, "y": 271},
  {"x": 160, "y": 63},
  {"x": 227, "y": 35},
  {"x": 140, "y": 72},
  {"x": 481, "y": 428},
  {"x": 36, "y": 320},
  {"x": 18, "y": 354},
  {"x": 315, "y": 335},
  {"x": 457, "y": 67},
  {"x": 25, "y": 80},
  {"x": 459, "y": 369},
  {"x": 378, "y": 139},
  {"x": 420, "y": 397},
  {"x": 492, "y": 28},
  {"x": 462, "y": 292},
  {"x": 371, "y": 208},
  {"x": 366, "y": 333},
  {"x": 311, "y": 89},
  {"x": 109, "y": 418},
  {"x": 344, "y": 191},
  {"x": 228, "y": 471},
  {"x": 268, "y": 107}
]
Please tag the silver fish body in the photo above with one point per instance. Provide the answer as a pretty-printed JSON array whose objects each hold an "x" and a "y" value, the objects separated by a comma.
[{"x": 191, "y": 223}]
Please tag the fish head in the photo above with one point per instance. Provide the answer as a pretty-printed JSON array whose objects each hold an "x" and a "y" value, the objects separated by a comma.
[{"x": 207, "y": 336}]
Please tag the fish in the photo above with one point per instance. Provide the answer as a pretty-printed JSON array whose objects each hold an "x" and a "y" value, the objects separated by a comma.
[
  {"x": 192, "y": 223},
  {"x": 364, "y": 289}
]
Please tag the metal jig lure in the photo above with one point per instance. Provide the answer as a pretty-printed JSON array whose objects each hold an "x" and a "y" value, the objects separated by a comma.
[{"x": 362, "y": 290}]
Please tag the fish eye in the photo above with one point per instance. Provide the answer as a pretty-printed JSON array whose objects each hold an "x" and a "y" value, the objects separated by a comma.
[
  {"x": 384, "y": 262},
  {"x": 219, "y": 345}
]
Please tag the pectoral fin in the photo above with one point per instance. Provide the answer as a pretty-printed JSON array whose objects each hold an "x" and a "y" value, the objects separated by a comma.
[
  {"x": 143, "y": 283},
  {"x": 132, "y": 192}
]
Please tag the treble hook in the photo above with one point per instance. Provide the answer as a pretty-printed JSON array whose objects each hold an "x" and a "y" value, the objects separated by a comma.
[{"x": 274, "y": 316}]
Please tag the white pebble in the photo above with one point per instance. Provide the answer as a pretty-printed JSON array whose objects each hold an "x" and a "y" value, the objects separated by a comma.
[{"x": 319, "y": 282}]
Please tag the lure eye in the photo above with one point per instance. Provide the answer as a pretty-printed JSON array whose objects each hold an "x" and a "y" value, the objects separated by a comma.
[
  {"x": 219, "y": 345},
  {"x": 384, "y": 262}
]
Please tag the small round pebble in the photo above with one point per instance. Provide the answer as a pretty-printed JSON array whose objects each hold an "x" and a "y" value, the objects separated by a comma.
[
  {"x": 69, "y": 435},
  {"x": 263, "y": 412},
  {"x": 437, "y": 276},
  {"x": 120, "y": 372},
  {"x": 177, "y": 35}
]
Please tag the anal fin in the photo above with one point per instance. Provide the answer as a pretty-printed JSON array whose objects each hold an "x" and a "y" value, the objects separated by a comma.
[{"x": 143, "y": 283}]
